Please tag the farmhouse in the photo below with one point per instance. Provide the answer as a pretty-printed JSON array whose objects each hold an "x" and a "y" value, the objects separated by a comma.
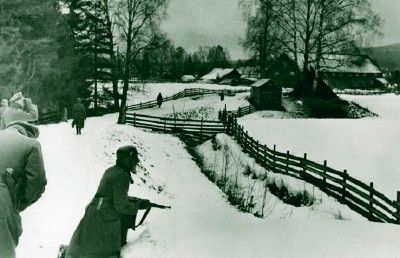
[
  {"x": 337, "y": 70},
  {"x": 266, "y": 94},
  {"x": 220, "y": 74}
]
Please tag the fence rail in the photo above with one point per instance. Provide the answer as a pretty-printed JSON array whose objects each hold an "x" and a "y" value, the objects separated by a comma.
[
  {"x": 182, "y": 94},
  {"x": 242, "y": 111},
  {"x": 49, "y": 117},
  {"x": 197, "y": 130},
  {"x": 362, "y": 198}
]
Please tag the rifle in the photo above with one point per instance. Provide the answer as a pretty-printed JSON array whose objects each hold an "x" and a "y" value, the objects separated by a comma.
[
  {"x": 151, "y": 205},
  {"x": 159, "y": 206}
]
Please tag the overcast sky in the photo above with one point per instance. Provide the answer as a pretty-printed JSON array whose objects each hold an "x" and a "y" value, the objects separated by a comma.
[{"x": 194, "y": 23}]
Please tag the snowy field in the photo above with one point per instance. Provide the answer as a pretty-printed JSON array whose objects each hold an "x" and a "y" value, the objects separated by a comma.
[
  {"x": 200, "y": 224},
  {"x": 368, "y": 148},
  {"x": 386, "y": 105},
  {"x": 148, "y": 92},
  {"x": 198, "y": 107}
]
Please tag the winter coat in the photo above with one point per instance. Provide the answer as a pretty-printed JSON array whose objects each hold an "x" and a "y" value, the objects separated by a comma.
[
  {"x": 12, "y": 114},
  {"x": 78, "y": 114},
  {"x": 98, "y": 234},
  {"x": 22, "y": 157},
  {"x": 159, "y": 99},
  {"x": 2, "y": 110}
]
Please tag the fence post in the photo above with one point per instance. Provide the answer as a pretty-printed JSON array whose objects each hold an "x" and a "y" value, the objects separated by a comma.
[
  {"x": 165, "y": 125},
  {"x": 239, "y": 112},
  {"x": 134, "y": 119},
  {"x": 257, "y": 152},
  {"x": 344, "y": 185},
  {"x": 325, "y": 168},
  {"x": 174, "y": 123},
  {"x": 287, "y": 162},
  {"x": 274, "y": 155},
  {"x": 398, "y": 207},
  {"x": 265, "y": 155},
  {"x": 201, "y": 130},
  {"x": 140, "y": 105},
  {"x": 371, "y": 196},
  {"x": 304, "y": 165}
]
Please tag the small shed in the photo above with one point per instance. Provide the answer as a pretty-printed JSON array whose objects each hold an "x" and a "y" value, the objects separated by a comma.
[
  {"x": 266, "y": 94},
  {"x": 188, "y": 78}
]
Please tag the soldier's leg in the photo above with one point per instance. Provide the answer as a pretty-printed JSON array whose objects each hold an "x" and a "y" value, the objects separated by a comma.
[{"x": 127, "y": 222}]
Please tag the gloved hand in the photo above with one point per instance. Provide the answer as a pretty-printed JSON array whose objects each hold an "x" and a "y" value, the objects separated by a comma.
[{"x": 144, "y": 204}]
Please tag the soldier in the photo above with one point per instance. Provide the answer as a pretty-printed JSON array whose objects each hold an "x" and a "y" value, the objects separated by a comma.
[
  {"x": 22, "y": 180},
  {"x": 21, "y": 109},
  {"x": 103, "y": 230},
  {"x": 78, "y": 116},
  {"x": 159, "y": 100}
]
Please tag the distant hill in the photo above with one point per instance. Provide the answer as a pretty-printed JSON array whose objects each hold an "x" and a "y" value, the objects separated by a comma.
[{"x": 388, "y": 57}]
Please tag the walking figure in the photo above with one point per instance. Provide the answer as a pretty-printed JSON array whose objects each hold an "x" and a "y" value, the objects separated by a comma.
[
  {"x": 222, "y": 96},
  {"x": 22, "y": 180},
  {"x": 159, "y": 100},
  {"x": 78, "y": 116}
]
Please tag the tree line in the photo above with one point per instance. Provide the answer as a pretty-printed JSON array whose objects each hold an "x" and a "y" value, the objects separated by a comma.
[
  {"x": 308, "y": 30},
  {"x": 54, "y": 51}
]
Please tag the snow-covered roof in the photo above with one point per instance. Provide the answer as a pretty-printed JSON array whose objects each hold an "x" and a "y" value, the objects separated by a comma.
[
  {"x": 188, "y": 77},
  {"x": 260, "y": 83},
  {"x": 342, "y": 63},
  {"x": 382, "y": 80},
  {"x": 217, "y": 73}
]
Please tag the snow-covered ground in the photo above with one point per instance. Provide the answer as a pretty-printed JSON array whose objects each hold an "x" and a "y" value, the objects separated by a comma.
[
  {"x": 198, "y": 107},
  {"x": 200, "y": 224},
  {"x": 386, "y": 105},
  {"x": 139, "y": 92},
  {"x": 368, "y": 148}
]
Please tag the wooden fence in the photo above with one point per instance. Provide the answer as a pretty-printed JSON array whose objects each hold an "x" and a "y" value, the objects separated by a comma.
[
  {"x": 242, "y": 111},
  {"x": 360, "y": 197},
  {"x": 49, "y": 117},
  {"x": 182, "y": 94},
  {"x": 196, "y": 130}
]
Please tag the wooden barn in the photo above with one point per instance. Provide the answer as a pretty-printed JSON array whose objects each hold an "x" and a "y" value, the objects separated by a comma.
[
  {"x": 338, "y": 71},
  {"x": 266, "y": 94}
]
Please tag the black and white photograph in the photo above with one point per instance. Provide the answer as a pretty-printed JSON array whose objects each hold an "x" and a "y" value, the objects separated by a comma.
[{"x": 199, "y": 128}]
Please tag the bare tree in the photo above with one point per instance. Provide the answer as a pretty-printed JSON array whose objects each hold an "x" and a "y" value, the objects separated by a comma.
[
  {"x": 137, "y": 21},
  {"x": 263, "y": 34}
]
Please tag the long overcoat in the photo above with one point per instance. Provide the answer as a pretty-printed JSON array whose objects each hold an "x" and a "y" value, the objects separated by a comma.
[
  {"x": 22, "y": 182},
  {"x": 79, "y": 114},
  {"x": 98, "y": 234}
]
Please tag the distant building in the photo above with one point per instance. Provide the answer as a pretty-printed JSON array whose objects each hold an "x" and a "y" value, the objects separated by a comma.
[
  {"x": 266, "y": 94},
  {"x": 337, "y": 71},
  {"x": 188, "y": 78},
  {"x": 248, "y": 72},
  {"x": 219, "y": 74}
]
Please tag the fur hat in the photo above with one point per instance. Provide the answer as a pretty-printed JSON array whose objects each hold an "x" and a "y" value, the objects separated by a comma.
[
  {"x": 18, "y": 99},
  {"x": 25, "y": 128}
]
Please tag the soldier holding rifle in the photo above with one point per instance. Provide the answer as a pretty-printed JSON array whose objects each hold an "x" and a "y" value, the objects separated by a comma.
[{"x": 103, "y": 230}]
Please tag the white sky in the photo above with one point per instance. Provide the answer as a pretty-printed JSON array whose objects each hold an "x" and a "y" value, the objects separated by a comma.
[{"x": 193, "y": 23}]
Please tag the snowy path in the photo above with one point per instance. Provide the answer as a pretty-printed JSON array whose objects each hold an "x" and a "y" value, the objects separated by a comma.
[{"x": 201, "y": 222}]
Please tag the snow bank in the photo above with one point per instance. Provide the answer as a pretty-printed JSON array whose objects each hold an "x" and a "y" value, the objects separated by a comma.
[{"x": 249, "y": 179}]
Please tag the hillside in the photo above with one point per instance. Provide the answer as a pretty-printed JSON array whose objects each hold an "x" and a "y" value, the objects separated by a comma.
[{"x": 388, "y": 57}]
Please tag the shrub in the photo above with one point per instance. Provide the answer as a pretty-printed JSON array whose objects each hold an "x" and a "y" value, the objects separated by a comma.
[{"x": 320, "y": 108}]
